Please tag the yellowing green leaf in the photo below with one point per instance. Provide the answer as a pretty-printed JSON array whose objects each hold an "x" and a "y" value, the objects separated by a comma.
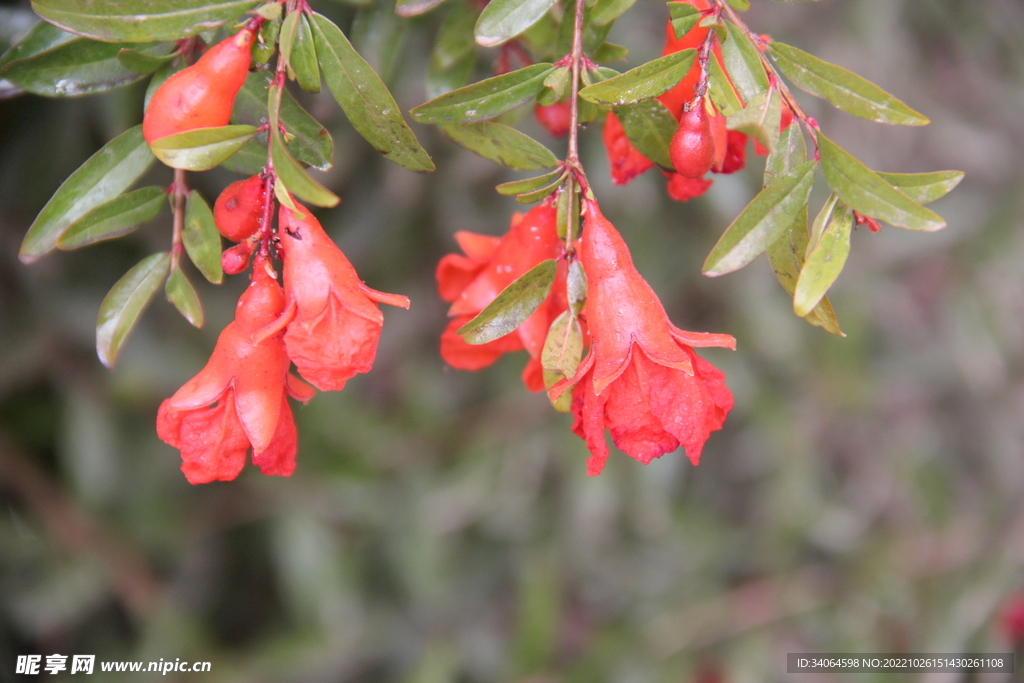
[
  {"x": 503, "y": 145},
  {"x": 202, "y": 148},
  {"x": 824, "y": 262}
]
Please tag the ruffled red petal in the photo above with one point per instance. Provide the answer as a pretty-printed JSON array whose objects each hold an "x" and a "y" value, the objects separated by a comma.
[
  {"x": 681, "y": 188},
  {"x": 626, "y": 161}
]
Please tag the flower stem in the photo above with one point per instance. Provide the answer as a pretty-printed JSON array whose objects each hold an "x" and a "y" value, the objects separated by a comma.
[{"x": 178, "y": 226}]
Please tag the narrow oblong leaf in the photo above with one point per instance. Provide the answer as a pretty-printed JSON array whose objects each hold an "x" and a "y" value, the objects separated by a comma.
[
  {"x": 365, "y": 99},
  {"x": 649, "y": 125},
  {"x": 684, "y": 17},
  {"x": 486, "y": 99},
  {"x": 512, "y": 306},
  {"x": 721, "y": 90},
  {"x": 824, "y": 262},
  {"x": 567, "y": 211},
  {"x": 924, "y": 187},
  {"x": 743, "y": 62},
  {"x": 576, "y": 287},
  {"x": 295, "y": 178},
  {"x": 312, "y": 144},
  {"x": 844, "y": 89},
  {"x": 40, "y": 38},
  {"x": 289, "y": 31},
  {"x": 201, "y": 239},
  {"x": 179, "y": 291},
  {"x": 502, "y": 144},
  {"x": 455, "y": 36},
  {"x": 790, "y": 153},
  {"x": 202, "y": 148},
  {"x": 72, "y": 68},
  {"x": 762, "y": 221},
  {"x": 124, "y": 304},
  {"x": 502, "y": 20},
  {"x": 105, "y": 175},
  {"x": 644, "y": 82},
  {"x": 528, "y": 184},
  {"x": 541, "y": 193},
  {"x": 867, "y": 193},
  {"x": 303, "y": 60},
  {"x": 140, "y": 21},
  {"x": 115, "y": 218}
]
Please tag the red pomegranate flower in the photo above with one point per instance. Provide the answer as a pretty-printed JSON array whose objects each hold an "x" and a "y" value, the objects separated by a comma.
[
  {"x": 333, "y": 322},
  {"x": 490, "y": 264},
  {"x": 238, "y": 400},
  {"x": 641, "y": 380}
]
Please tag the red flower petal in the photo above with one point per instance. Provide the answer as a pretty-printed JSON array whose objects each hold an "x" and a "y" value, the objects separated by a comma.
[{"x": 626, "y": 162}]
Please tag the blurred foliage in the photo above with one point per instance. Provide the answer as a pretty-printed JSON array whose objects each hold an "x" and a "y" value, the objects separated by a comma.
[{"x": 866, "y": 494}]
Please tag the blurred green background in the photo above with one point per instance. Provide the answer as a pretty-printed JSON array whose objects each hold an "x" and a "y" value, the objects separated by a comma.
[{"x": 866, "y": 494}]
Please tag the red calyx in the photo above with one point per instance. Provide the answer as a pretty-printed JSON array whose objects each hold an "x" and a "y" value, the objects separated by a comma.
[{"x": 692, "y": 149}]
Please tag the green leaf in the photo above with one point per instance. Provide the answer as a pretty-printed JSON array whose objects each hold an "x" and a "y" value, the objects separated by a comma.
[
  {"x": 721, "y": 91},
  {"x": 741, "y": 5},
  {"x": 75, "y": 67},
  {"x": 644, "y": 82},
  {"x": 610, "y": 52},
  {"x": 529, "y": 184},
  {"x": 265, "y": 46},
  {"x": 823, "y": 263},
  {"x": 512, "y": 306},
  {"x": 303, "y": 59},
  {"x": 844, "y": 89},
  {"x": 201, "y": 239},
  {"x": 867, "y": 193},
  {"x": 312, "y": 144},
  {"x": 786, "y": 253},
  {"x": 563, "y": 346},
  {"x": 180, "y": 292},
  {"x": 137, "y": 21},
  {"x": 607, "y": 11},
  {"x": 821, "y": 220},
  {"x": 790, "y": 153},
  {"x": 743, "y": 62},
  {"x": 105, "y": 175},
  {"x": 289, "y": 31},
  {"x": 567, "y": 211},
  {"x": 503, "y": 20},
  {"x": 760, "y": 118},
  {"x": 115, "y": 218},
  {"x": 762, "y": 221},
  {"x": 412, "y": 8},
  {"x": 502, "y": 144},
  {"x": 290, "y": 173},
  {"x": 365, "y": 99},
  {"x": 924, "y": 187},
  {"x": 541, "y": 193},
  {"x": 576, "y": 287},
  {"x": 684, "y": 17},
  {"x": 485, "y": 99},
  {"x": 202, "y": 148},
  {"x": 142, "y": 62},
  {"x": 41, "y": 38},
  {"x": 124, "y": 304},
  {"x": 649, "y": 125},
  {"x": 441, "y": 81}
]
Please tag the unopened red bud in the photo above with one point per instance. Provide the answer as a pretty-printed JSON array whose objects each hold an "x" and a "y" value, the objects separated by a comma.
[
  {"x": 201, "y": 95},
  {"x": 236, "y": 259},
  {"x": 239, "y": 207},
  {"x": 692, "y": 149}
]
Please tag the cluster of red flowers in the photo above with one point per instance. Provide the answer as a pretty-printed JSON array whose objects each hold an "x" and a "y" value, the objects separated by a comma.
[
  {"x": 641, "y": 380},
  {"x": 729, "y": 145},
  {"x": 325, "y": 320}
]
